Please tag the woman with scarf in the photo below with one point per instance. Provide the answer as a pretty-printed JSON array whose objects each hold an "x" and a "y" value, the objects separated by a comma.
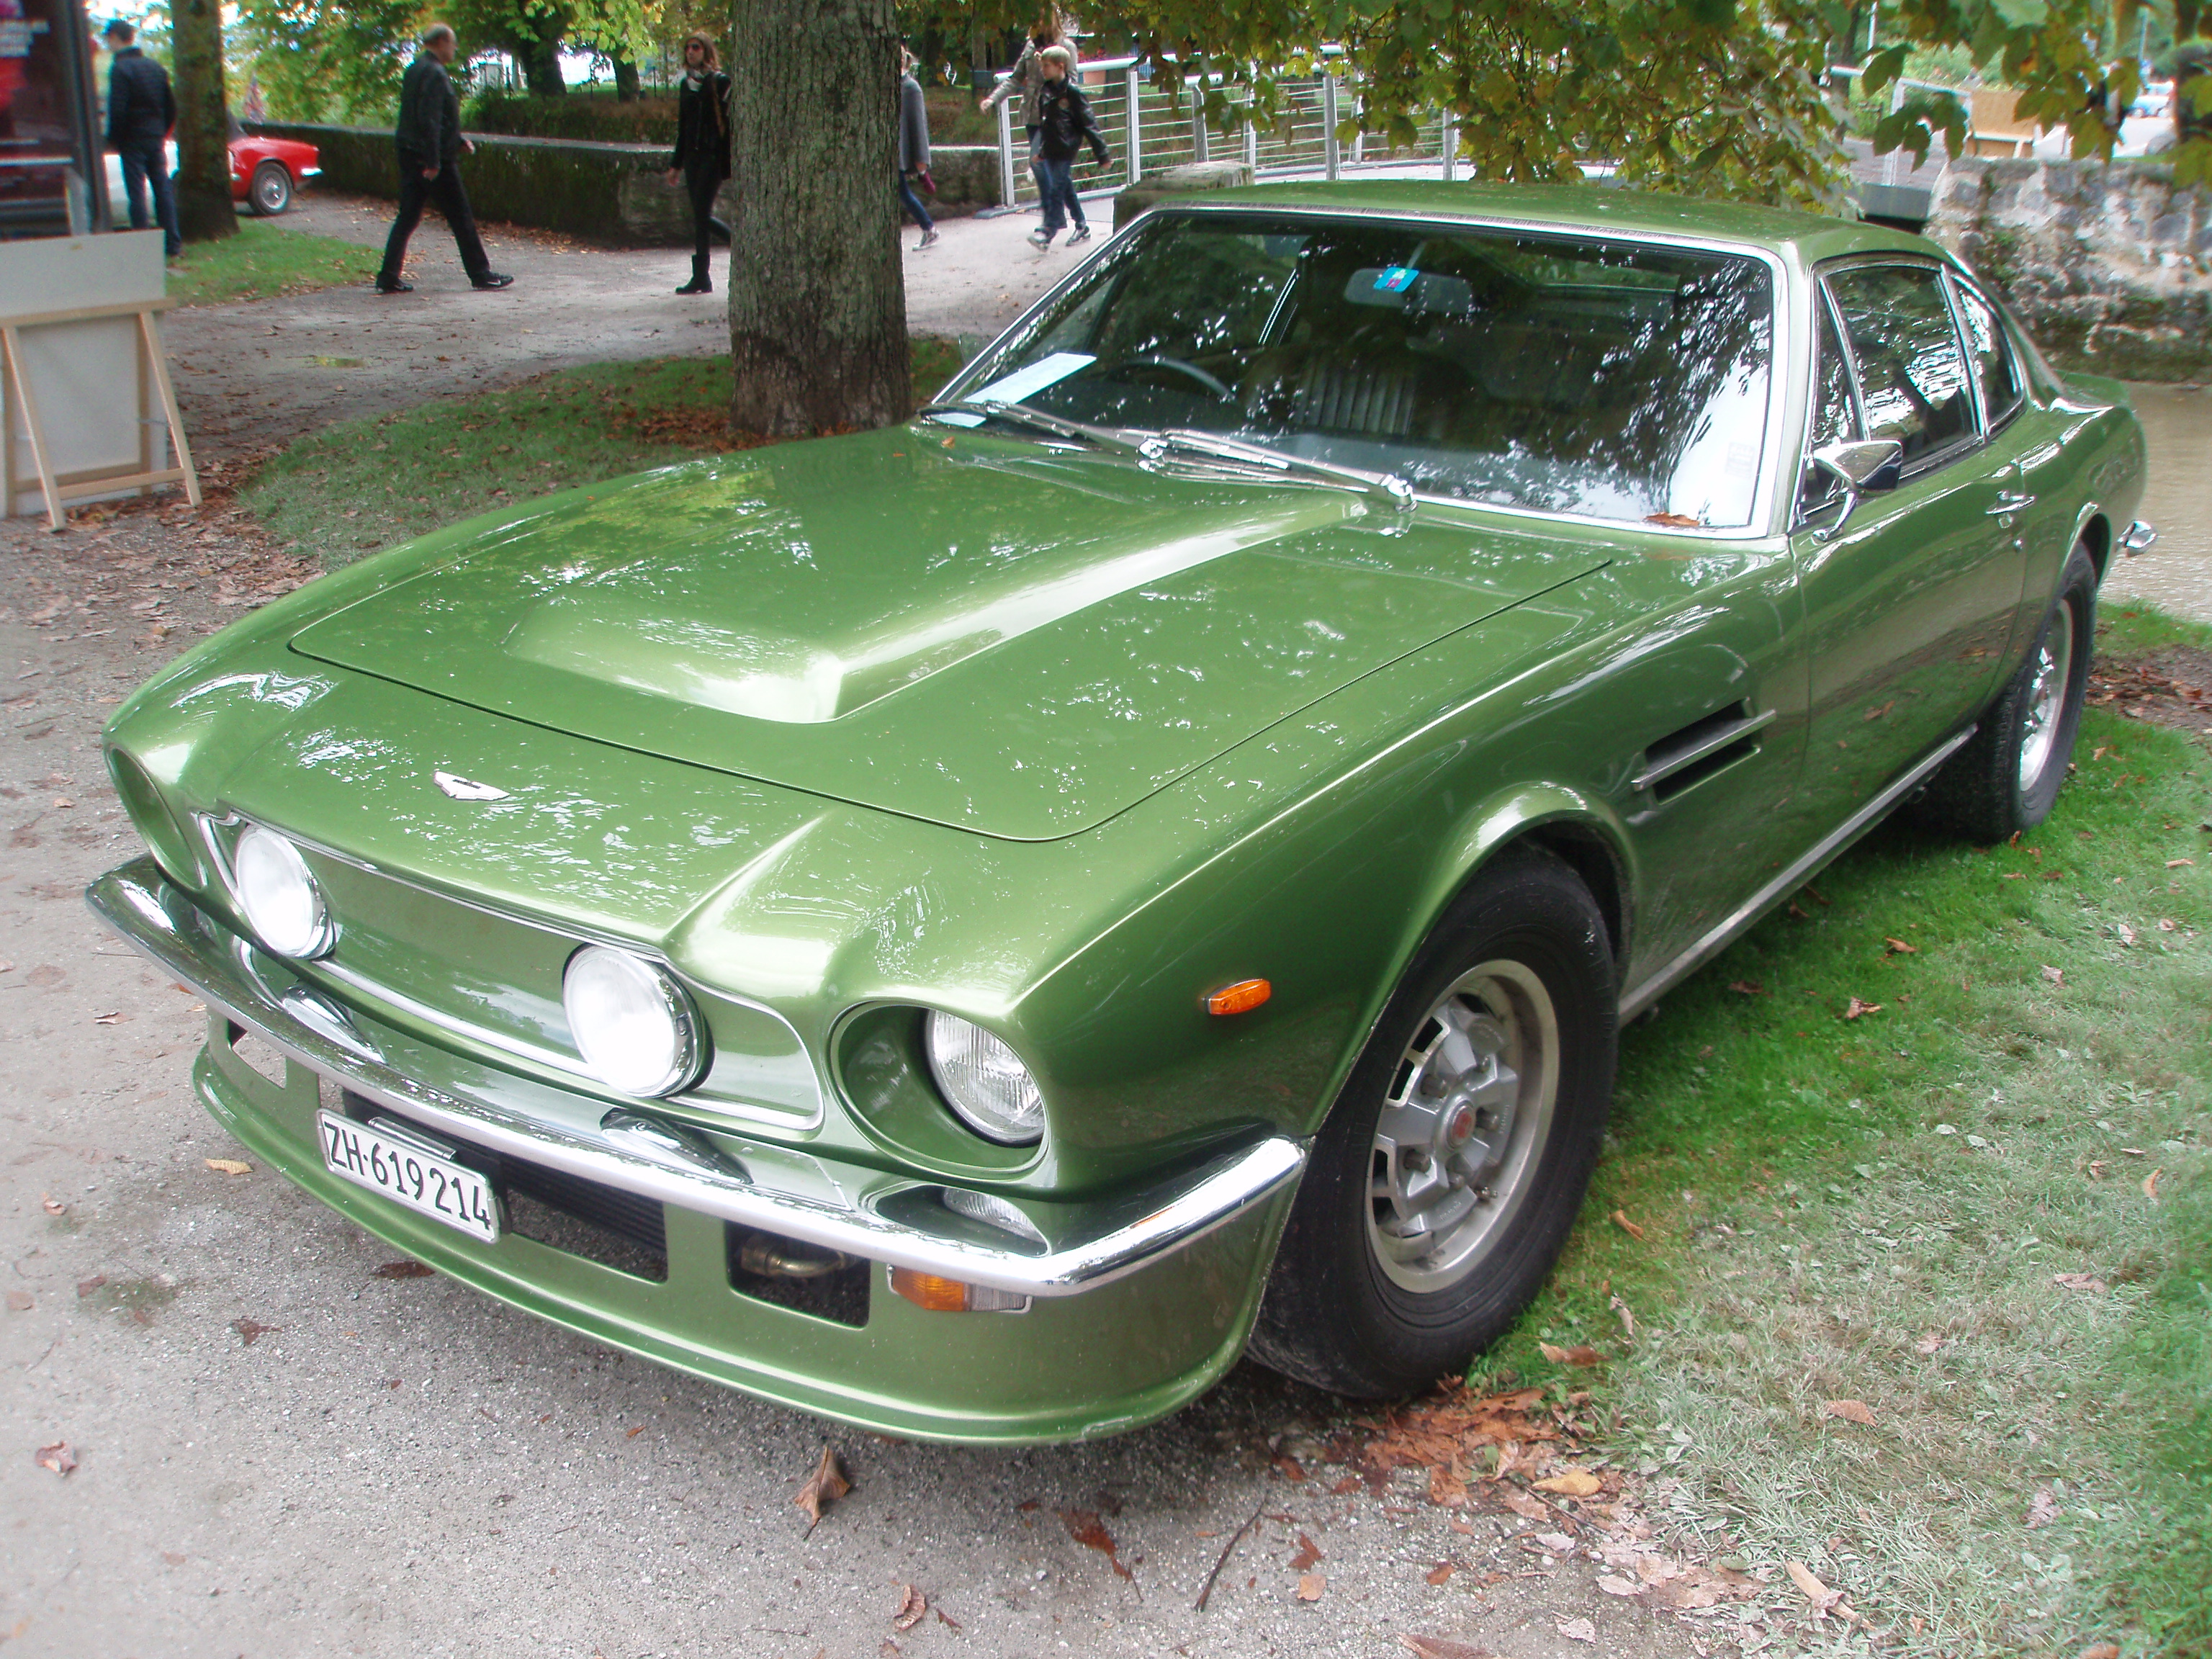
[{"x": 702, "y": 161}]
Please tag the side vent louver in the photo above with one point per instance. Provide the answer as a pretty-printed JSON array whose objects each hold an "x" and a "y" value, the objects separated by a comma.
[{"x": 1683, "y": 759}]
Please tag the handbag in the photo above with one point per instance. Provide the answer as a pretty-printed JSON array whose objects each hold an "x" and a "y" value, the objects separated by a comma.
[{"x": 928, "y": 184}]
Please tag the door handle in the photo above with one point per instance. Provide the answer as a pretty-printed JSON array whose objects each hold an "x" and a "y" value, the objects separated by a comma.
[{"x": 2008, "y": 502}]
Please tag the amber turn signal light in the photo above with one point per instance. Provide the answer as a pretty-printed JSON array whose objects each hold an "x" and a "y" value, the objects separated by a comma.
[
  {"x": 937, "y": 1294},
  {"x": 1240, "y": 998}
]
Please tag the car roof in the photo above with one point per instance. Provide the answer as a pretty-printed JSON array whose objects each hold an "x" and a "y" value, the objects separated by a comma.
[{"x": 1811, "y": 236}]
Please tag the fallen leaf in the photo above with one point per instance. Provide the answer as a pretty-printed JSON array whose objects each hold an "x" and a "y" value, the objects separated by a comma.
[
  {"x": 252, "y": 1330},
  {"x": 1310, "y": 1585},
  {"x": 403, "y": 1270},
  {"x": 1557, "y": 1542},
  {"x": 1620, "y": 1220},
  {"x": 1527, "y": 1507},
  {"x": 2177, "y": 864},
  {"x": 2055, "y": 976},
  {"x": 20, "y": 1301},
  {"x": 1627, "y": 1319},
  {"x": 2096, "y": 1169},
  {"x": 1290, "y": 1468},
  {"x": 2127, "y": 933},
  {"x": 823, "y": 1488},
  {"x": 2042, "y": 1509},
  {"x": 1084, "y": 1527},
  {"x": 1928, "y": 1345},
  {"x": 60, "y": 1457},
  {"x": 2100, "y": 1651},
  {"x": 1443, "y": 1647},
  {"x": 1898, "y": 947},
  {"x": 1857, "y": 1010},
  {"x": 1747, "y": 988},
  {"x": 632, "y": 1434},
  {"x": 2078, "y": 1281},
  {"x": 1440, "y": 1575},
  {"x": 53, "y": 1205},
  {"x": 1814, "y": 1591},
  {"x": 1578, "y": 1629},
  {"x": 913, "y": 1607},
  {"x": 2166, "y": 924},
  {"x": 950, "y": 1623},
  {"x": 1580, "y": 1354},
  {"x": 1852, "y": 1411},
  {"x": 1574, "y": 1483},
  {"x": 2150, "y": 1185},
  {"x": 1614, "y": 1584},
  {"x": 1308, "y": 1552},
  {"x": 1446, "y": 1488},
  {"x": 86, "y": 1286},
  {"x": 229, "y": 1166},
  {"x": 110, "y": 1017}
]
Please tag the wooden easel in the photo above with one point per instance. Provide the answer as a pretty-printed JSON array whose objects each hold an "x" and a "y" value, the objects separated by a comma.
[{"x": 153, "y": 377}]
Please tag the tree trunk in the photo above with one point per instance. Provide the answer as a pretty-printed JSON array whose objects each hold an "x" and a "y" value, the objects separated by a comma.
[
  {"x": 625, "y": 79},
  {"x": 817, "y": 297},
  {"x": 541, "y": 64},
  {"x": 204, "y": 212}
]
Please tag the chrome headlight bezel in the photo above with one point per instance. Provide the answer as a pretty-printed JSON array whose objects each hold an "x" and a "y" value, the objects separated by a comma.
[
  {"x": 962, "y": 1056},
  {"x": 261, "y": 855},
  {"x": 675, "y": 1064}
]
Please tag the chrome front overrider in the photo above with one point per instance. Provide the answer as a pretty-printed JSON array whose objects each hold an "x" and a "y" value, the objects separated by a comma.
[{"x": 1082, "y": 1244}]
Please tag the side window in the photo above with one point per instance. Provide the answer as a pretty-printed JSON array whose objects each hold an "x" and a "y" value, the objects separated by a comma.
[
  {"x": 1835, "y": 417},
  {"x": 1912, "y": 375},
  {"x": 1995, "y": 366}
]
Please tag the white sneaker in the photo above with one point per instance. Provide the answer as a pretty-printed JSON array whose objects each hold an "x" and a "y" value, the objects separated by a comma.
[
  {"x": 928, "y": 239},
  {"x": 1041, "y": 237},
  {"x": 1082, "y": 234}
]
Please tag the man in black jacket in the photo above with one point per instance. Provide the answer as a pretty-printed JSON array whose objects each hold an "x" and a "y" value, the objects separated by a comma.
[
  {"x": 141, "y": 110},
  {"x": 430, "y": 145}
]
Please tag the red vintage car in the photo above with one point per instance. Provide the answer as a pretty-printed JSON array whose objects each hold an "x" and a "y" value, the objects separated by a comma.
[{"x": 264, "y": 172}]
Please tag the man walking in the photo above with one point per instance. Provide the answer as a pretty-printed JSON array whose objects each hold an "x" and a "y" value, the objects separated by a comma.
[
  {"x": 141, "y": 110},
  {"x": 430, "y": 145}
]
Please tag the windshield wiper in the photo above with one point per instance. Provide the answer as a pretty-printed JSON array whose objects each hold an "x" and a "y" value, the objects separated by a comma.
[
  {"x": 1256, "y": 461},
  {"x": 1022, "y": 415}
]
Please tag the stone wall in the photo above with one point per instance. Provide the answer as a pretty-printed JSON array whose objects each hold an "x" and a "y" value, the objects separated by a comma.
[
  {"x": 610, "y": 193},
  {"x": 2108, "y": 264}
]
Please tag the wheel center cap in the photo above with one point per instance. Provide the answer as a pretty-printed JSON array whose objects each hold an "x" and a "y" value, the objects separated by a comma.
[{"x": 1460, "y": 1127}]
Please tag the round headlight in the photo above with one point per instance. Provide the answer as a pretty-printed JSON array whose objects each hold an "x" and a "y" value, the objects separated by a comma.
[
  {"x": 277, "y": 892},
  {"x": 632, "y": 1023},
  {"x": 984, "y": 1081}
]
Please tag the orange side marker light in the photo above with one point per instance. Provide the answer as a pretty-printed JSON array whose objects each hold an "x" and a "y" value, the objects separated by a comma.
[{"x": 1240, "y": 998}]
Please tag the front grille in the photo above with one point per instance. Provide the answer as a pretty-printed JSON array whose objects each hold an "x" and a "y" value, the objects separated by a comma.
[{"x": 550, "y": 1207}]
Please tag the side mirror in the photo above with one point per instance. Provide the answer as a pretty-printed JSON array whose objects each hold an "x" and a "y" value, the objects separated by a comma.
[{"x": 1864, "y": 467}]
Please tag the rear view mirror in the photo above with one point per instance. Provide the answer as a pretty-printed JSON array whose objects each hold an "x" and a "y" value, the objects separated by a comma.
[{"x": 1863, "y": 467}]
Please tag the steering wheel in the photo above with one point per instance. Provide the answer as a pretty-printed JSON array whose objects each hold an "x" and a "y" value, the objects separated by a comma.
[{"x": 1213, "y": 383}]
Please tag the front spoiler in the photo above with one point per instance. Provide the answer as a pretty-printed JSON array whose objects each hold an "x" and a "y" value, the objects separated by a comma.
[{"x": 1083, "y": 1245}]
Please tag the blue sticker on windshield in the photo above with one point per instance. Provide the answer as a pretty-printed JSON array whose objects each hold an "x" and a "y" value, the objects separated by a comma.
[{"x": 1395, "y": 279}]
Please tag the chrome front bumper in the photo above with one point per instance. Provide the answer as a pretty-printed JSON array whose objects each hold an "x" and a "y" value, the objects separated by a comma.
[{"x": 861, "y": 1213}]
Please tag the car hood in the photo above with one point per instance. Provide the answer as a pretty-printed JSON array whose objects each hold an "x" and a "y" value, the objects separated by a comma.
[{"x": 996, "y": 636}]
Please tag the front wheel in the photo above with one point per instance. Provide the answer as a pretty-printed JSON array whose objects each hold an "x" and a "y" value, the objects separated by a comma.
[
  {"x": 1443, "y": 1186},
  {"x": 270, "y": 191},
  {"x": 2006, "y": 777}
]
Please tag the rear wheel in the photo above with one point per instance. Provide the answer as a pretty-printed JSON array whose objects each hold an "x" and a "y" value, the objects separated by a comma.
[
  {"x": 270, "y": 191},
  {"x": 2008, "y": 776},
  {"x": 1443, "y": 1184}
]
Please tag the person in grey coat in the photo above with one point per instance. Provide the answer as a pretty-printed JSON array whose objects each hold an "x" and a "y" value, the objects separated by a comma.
[
  {"x": 430, "y": 146},
  {"x": 913, "y": 147}
]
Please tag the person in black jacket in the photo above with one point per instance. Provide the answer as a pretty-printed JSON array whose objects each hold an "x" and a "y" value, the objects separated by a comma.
[
  {"x": 1063, "y": 121},
  {"x": 430, "y": 145},
  {"x": 701, "y": 157},
  {"x": 141, "y": 110}
]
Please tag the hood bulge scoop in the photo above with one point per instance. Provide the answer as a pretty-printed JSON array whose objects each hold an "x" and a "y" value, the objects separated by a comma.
[{"x": 1015, "y": 643}]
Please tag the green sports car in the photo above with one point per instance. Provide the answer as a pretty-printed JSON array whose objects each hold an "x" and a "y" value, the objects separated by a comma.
[{"x": 969, "y": 927}]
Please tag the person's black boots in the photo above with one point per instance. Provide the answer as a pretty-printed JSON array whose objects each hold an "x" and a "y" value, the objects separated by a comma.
[{"x": 701, "y": 282}]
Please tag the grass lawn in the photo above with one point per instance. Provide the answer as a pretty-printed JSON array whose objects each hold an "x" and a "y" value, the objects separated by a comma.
[
  {"x": 261, "y": 260},
  {"x": 364, "y": 484},
  {"x": 1980, "y": 1211}
]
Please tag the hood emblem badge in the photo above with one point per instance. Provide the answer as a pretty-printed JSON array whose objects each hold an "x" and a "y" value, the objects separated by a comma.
[{"x": 467, "y": 788}]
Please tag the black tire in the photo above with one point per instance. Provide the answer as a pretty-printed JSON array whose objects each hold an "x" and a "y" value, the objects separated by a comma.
[
  {"x": 270, "y": 189},
  {"x": 1346, "y": 1308},
  {"x": 2008, "y": 776}
]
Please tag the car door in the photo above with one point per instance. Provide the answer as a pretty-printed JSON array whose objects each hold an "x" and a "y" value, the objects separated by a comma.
[{"x": 1910, "y": 601}]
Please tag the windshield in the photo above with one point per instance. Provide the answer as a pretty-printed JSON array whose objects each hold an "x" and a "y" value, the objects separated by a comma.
[{"x": 1555, "y": 373}]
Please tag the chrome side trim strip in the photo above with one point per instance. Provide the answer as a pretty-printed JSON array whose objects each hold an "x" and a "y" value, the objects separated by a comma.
[
  {"x": 1089, "y": 1243},
  {"x": 1636, "y": 1001}
]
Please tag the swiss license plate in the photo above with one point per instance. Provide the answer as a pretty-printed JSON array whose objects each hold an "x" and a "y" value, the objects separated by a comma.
[{"x": 409, "y": 1175}]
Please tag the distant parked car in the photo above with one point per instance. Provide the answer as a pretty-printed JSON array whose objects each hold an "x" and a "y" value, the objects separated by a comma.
[{"x": 263, "y": 172}]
